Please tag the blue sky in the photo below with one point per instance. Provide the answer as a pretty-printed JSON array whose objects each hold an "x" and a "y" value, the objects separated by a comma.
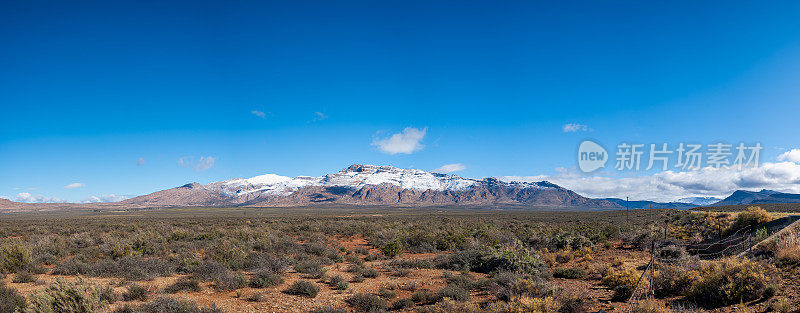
[{"x": 110, "y": 96}]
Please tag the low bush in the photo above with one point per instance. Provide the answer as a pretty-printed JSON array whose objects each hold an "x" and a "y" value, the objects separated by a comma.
[
  {"x": 752, "y": 216},
  {"x": 230, "y": 281},
  {"x": 426, "y": 297},
  {"x": 370, "y": 273},
  {"x": 13, "y": 256},
  {"x": 454, "y": 292},
  {"x": 338, "y": 283},
  {"x": 490, "y": 260},
  {"x": 135, "y": 292},
  {"x": 672, "y": 280},
  {"x": 650, "y": 306},
  {"x": 184, "y": 284},
  {"x": 170, "y": 305},
  {"x": 23, "y": 277},
  {"x": 10, "y": 300},
  {"x": 209, "y": 271},
  {"x": 303, "y": 288},
  {"x": 728, "y": 282},
  {"x": 132, "y": 268},
  {"x": 569, "y": 272},
  {"x": 262, "y": 262},
  {"x": 109, "y": 295},
  {"x": 535, "y": 305},
  {"x": 64, "y": 297},
  {"x": 264, "y": 279},
  {"x": 311, "y": 268},
  {"x": 392, "y": 249},
  {"x": 620, "y": 275},
  {"x": 385, "y": 293},
  {"x": 363, "y": 302},
  {"x": 403, "y": 304}
]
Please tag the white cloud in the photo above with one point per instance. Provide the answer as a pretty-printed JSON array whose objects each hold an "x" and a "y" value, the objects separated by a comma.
[
  {"x": 319, "y": 116},
  {"x": 104, "y": 198},
  {"x": 450, "y": 168},
  {"x": 574, "y": 127},
  {"x": 204, "y": 163},
  {"x": 408, "y": 141},
  {"x": 790, "y": 156},
  {"x": 185, "y": 161},
  {"x": 140, "y": 161},
  {"x": 29, "y": 198},
  {"x": 258, "y": 113},
  {"x": 74, "y": 185},
  {"x": 670, "y": 186}
]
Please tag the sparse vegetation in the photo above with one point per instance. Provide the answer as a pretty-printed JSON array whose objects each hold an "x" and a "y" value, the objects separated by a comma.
[
  {"x": 363, "y": 302},
  {"x": 184, "y": 284},
  {"x": 10, "y": 300},
  {"x": 303, "y": 288},
  {"x": 470, "y": 264}
]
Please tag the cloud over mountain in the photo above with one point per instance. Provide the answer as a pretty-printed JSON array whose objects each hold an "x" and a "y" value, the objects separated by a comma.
[{"x": 406, "y": 142}]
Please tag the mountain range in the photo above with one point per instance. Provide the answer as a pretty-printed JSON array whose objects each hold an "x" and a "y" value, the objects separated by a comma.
[
  {"x": 370, "y": 185},
  {"x": 385, "y": 185}
]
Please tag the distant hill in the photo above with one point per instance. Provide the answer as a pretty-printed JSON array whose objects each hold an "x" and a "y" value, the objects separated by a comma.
[
  {"x": 641, "y": 204},
  {"x": 744, "y": 197}
]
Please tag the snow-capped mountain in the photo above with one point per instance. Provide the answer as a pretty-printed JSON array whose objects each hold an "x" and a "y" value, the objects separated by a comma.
[
  {"x": 369, "y": 185},
  {"x": 699, "y": 200}
]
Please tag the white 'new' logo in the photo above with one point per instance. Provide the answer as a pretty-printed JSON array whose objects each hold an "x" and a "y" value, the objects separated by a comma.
[{"x": 591, "y": 156}]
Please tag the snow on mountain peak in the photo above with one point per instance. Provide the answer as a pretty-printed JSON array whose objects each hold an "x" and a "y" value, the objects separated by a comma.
[{"x": 356, "y": 176}]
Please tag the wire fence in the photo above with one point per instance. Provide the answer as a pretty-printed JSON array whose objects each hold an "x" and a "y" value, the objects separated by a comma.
[{"x": 734, "y": 245}]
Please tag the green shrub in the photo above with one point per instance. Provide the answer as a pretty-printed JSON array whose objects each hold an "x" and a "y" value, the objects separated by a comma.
[
  {"x": 454, "y": 292},
  {"x": 13, "y": 256},
  {"x": 338, "y": 283},
  {"x": 426, "y": 297},
  {"x": 64, "y": 297},
  {"x": 108, "y": 294},
  {"x": 135, "y": 292},
  {"x": 403, "y": 304},
  {"x": 183, "y": 284},
  {"x": 10, "y": 300},
  {"x": 173, "y": 305},
  {"x": 311, "y": 268},
  {"x": 370, "y": 273},
  {"x": 620, "y": 275},
  {"x": 728, "y": 282},
  {"x": 303, "y": 288},
  {"x": 264, "y": 279},
  {"x": 392, "y": 249},
  {"x": 231, "y": 281},
  {"x": 672, "y": 280},
  {"x": 490, "y": 260},
  {"x": 23, "y": 277},
  {"x": 569, "y": 272},
  {"x": 363, "y": 302},
  {"x": 385, "y": 293},
  {"x": 752, "y": 216}
]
